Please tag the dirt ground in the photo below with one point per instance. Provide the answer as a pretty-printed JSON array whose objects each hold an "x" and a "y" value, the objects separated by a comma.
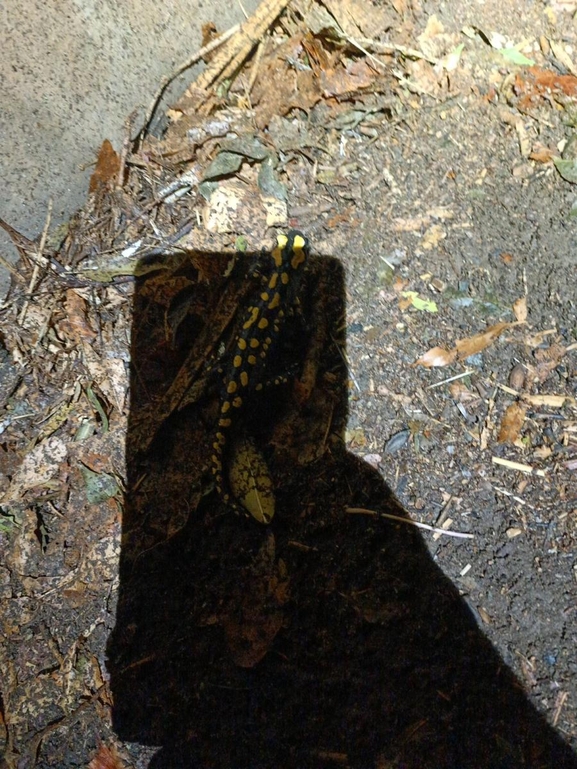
[{"x": 428, "y": 374}]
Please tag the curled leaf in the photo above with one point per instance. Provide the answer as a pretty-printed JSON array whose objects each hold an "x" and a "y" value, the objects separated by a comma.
[
  {"x": 512, "y": 423},
  {"x": 474, "y": 344},
  {"x": 436, "y": 356}
]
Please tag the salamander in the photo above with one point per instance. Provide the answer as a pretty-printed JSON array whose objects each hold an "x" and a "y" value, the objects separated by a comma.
[{"x": 246, "y": 364}]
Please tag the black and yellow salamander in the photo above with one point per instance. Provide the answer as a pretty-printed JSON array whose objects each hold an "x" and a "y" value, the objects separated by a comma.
[{"x": 245, "y": 368}]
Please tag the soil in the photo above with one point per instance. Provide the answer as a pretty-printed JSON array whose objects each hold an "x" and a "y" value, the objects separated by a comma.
[{"x": 147, "y": 624}]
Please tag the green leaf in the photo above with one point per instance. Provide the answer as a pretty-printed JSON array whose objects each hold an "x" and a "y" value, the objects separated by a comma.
[
  {"x": 241, "y": 244},
  {"x": 567, "y": 169},
  {"x": 269, "y": 182},
  {"x": 98, "y": 407},
  {"x": 423, "y": 305},
  {"x": 99, "y": 486},
  {"x": 516, "y": 57},
  {"x": 224, "y": 164}
]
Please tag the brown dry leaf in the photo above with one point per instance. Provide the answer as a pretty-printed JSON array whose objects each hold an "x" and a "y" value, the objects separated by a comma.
[
  {"x": 534, "y": 83},
  {"x": 356, "y": 18},
  {"x": 432, "y": 237},
  {"x": 349, "y": 78},
  {"x": 542, "y": 452},
  {"x": 461, "y": 393},
  {"x": 436, "y": 356},
  {"x": 108, "y": 373},
  {"x": 75, "y": 326},
  {"x": 520, "y": 309},
  {"x": 512, "y": 423},
  {"x": 107, "y": 167},
  {"x": 400, "y": 284},
  {"x": 38, "y": 467},
  {"x": 280, "y": 87},
  {"x": 410, "y": 224},
  {"x": 536, "y": 340},
  {"x": 474, "y": 344},
  {"x": 548, "y": 359},
  {"x": 107, "y": 758},
  {"x": 542, "y": 154}
]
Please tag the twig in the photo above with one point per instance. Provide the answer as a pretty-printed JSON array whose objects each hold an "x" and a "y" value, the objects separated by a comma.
[
  {"x": 36, "y": 269},
  {"x": 409, "y": 521},
  {"x": 527, "y": 469},
  {"x": 206, "y": 49},
  {"x": 451, "y": 379},
  {"x": 252, "y": 32},
  {"x": 255, "y": 68},
  {"x": 378, "y": 47}
]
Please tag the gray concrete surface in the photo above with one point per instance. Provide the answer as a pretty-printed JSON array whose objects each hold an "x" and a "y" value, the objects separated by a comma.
[{"x": 71, "y": 71}]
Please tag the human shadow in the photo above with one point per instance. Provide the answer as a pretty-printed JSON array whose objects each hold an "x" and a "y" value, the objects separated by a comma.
[{"x": 328, "y": 638}]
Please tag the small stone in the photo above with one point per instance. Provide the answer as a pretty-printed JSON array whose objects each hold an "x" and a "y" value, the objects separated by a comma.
[{"x": 517, "y": 377}]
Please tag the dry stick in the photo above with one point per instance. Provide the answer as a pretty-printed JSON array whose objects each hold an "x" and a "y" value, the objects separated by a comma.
[
  {"x": 226, "y": 63},
  {"x": 409, "y": 521},
  {"x": 206, "y": 49},
  {"x": 378, "y": 47},
  {"x": 36, "y": 269},
  {"x": 256, "y": 67}
]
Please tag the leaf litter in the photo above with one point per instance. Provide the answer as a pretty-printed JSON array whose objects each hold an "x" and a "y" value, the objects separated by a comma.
[{"x": 283, "y": 142}]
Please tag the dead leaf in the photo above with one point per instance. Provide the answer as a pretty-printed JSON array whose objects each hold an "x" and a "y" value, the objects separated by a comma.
[
  {"x": 436, "y": 356},
  {"x": 474, "y": 344},
  {"x": 512, "y": 423},
  {"x": 535, "y": 83},
  {"x": 107, "y": 168},
  {"x": 520, "y": 309},
  {"x": 542, "y": 154},
  {"x": 280, "y": 86},
  {"x": 433, "y": 236},
  {"x": 38, "y": 467},
  {"x": 107, "y": 758},
  {"x": 547, "y": 360},
  {"x": 410, "y": 224},
  {"x": 351, "y": 78},
  {"x": 109, "y": 374},
  {"x": 75, "y": 325},
  {"x": 461, "y": 393}
]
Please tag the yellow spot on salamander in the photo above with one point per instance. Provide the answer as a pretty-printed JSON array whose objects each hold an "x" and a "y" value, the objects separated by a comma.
[
  {"x": 284, "y": 278},
  {"x": 273, "y": 281},
  {"x": 252, "y": 319},
  {"x": 243, "y": 378},
  {"x": 275, "y": 301},
  {"x": 241, "y": 343},
  {"x": 263, "y": 323},
  {"x": 231, "y": 387},
  {"x": 254, "y": 343},
  {"x": 298, "y": 256},
  {"x": 225, "y": 422},
  {"x": 237, "y": 402},
  {"x": 282, "y": 241},
  {"x": 225, "y": 407},
  {"x": 237, "y": 361},
  {"x": 265, "y": 296},
  {"x": 251, "y": 359}
]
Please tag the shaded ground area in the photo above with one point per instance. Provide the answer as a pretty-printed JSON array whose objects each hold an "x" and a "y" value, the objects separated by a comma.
[{"x": 434, "y": 338}]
